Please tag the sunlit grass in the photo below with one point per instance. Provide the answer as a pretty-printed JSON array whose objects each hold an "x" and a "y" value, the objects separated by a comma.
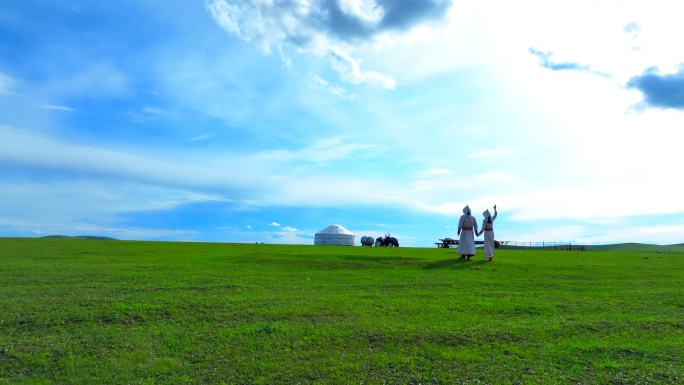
[{"x": 113, "y": 312}]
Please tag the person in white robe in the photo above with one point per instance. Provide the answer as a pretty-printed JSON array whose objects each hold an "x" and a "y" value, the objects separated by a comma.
[
  {"x": 488, "y": 230},
  {"x": 467, "y": 228}
]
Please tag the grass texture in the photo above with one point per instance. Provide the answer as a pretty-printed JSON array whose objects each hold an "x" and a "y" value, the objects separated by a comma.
[{"x": 76, "y": 311}]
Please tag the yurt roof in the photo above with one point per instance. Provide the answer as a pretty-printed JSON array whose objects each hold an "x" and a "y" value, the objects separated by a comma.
[{"x": 335, "y": 229}]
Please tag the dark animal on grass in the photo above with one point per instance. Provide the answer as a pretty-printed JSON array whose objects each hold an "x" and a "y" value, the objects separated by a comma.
[{"x": 387, "y": 241}]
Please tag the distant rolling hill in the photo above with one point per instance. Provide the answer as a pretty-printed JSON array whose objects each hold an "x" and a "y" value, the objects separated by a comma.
[
  {"x": 637, "y": 247},
  {"x": 82, "y": 237}
]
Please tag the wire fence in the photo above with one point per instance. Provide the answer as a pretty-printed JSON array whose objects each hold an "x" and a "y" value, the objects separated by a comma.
[
  {"x": 555, "y": 245},
  {"x": 566, "y": 246}
]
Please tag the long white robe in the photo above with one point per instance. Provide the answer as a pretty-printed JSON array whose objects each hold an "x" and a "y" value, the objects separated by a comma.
[
  {"x": 468, "y": 226},
  {"x": 488, "y": 230}
]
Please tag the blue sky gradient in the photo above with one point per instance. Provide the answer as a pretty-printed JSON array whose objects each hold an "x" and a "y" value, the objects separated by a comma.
[{"x": 242, "y": 122}]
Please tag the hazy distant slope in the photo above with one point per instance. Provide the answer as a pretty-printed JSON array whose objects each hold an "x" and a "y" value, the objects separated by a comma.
[
  {"x": 637, "y": 247},
  {"x": 94, "y": 237}
]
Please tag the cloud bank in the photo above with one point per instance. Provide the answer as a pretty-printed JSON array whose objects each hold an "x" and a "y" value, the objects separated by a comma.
[
  {"x": 546, "y": 62},
  {"x": 325, "y": 28}
]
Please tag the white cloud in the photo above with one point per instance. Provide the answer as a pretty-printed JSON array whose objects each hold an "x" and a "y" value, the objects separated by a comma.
[
  {"x": 590, "y": 203},
  {"x": 322, "y": 151},
  {"x": 227, "y": 16},
  {"x": 577, "y": 32},
  {"x": 152, "y": 110},
  {"x": 56, "y": 107},
  {"x": 263, "y": 22},
  {"x": 285, "y": 237},
  {"x": 62, "y": 200},
  {"x": 332, "y": 88},
  {"x": 96, "y": 80},
  {"x": 550, "y": 145},
  {"x": 575, "y": 148},
  {"x": 290, "y": 229},
  {"x": 280, "y": 236},
  {"x": 350, "y": 70},
  {"x": 367, "y": 10},
  {"x": 579, "y": 234},
  {"x": 659, "y": 234},
  {"x": 248, "y": 227},
  {"x": 437, "y": 171},
  {"x": 563, "y": 233},
  {"x": 81, "y": 206},
  {"x": 76, "y": 229},
  {"x": 493, "y": 152},
  {"x": 309, "y": 28},
  {"x": 7, "y": 84},
  {"x": 199, "y": 138},
  {"x": 258, "y": 172},
  {"x": 602, "y": 198},
  {"x": 24, "y": 148},
  {"x": 274, "y": 224},
  {"x": 501, "y": 177}
]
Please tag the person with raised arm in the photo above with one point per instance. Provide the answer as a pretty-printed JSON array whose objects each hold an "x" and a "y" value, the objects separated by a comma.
[
  {"x": 488, "y": 230},
  {"x": 467, "y": 228}
]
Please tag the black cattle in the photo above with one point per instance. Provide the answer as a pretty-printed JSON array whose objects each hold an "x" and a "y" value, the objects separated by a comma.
[{"x": 387, "y": 241}]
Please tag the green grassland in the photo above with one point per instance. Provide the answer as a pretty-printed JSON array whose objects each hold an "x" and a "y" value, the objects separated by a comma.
[
  {"x": 640, "y": 247},
  {"x": 75, "y": 311}
]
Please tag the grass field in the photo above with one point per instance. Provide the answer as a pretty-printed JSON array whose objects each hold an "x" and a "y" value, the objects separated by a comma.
[
  {"x": 117, "y": 312},
  {"x": 639, "y": 247}
]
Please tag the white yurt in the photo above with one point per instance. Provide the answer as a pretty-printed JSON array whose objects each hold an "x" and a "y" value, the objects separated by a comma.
[{"x": 334, "y": 235}]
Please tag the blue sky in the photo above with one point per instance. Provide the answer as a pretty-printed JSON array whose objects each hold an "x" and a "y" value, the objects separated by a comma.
[{"x": 246, "y": 121}]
